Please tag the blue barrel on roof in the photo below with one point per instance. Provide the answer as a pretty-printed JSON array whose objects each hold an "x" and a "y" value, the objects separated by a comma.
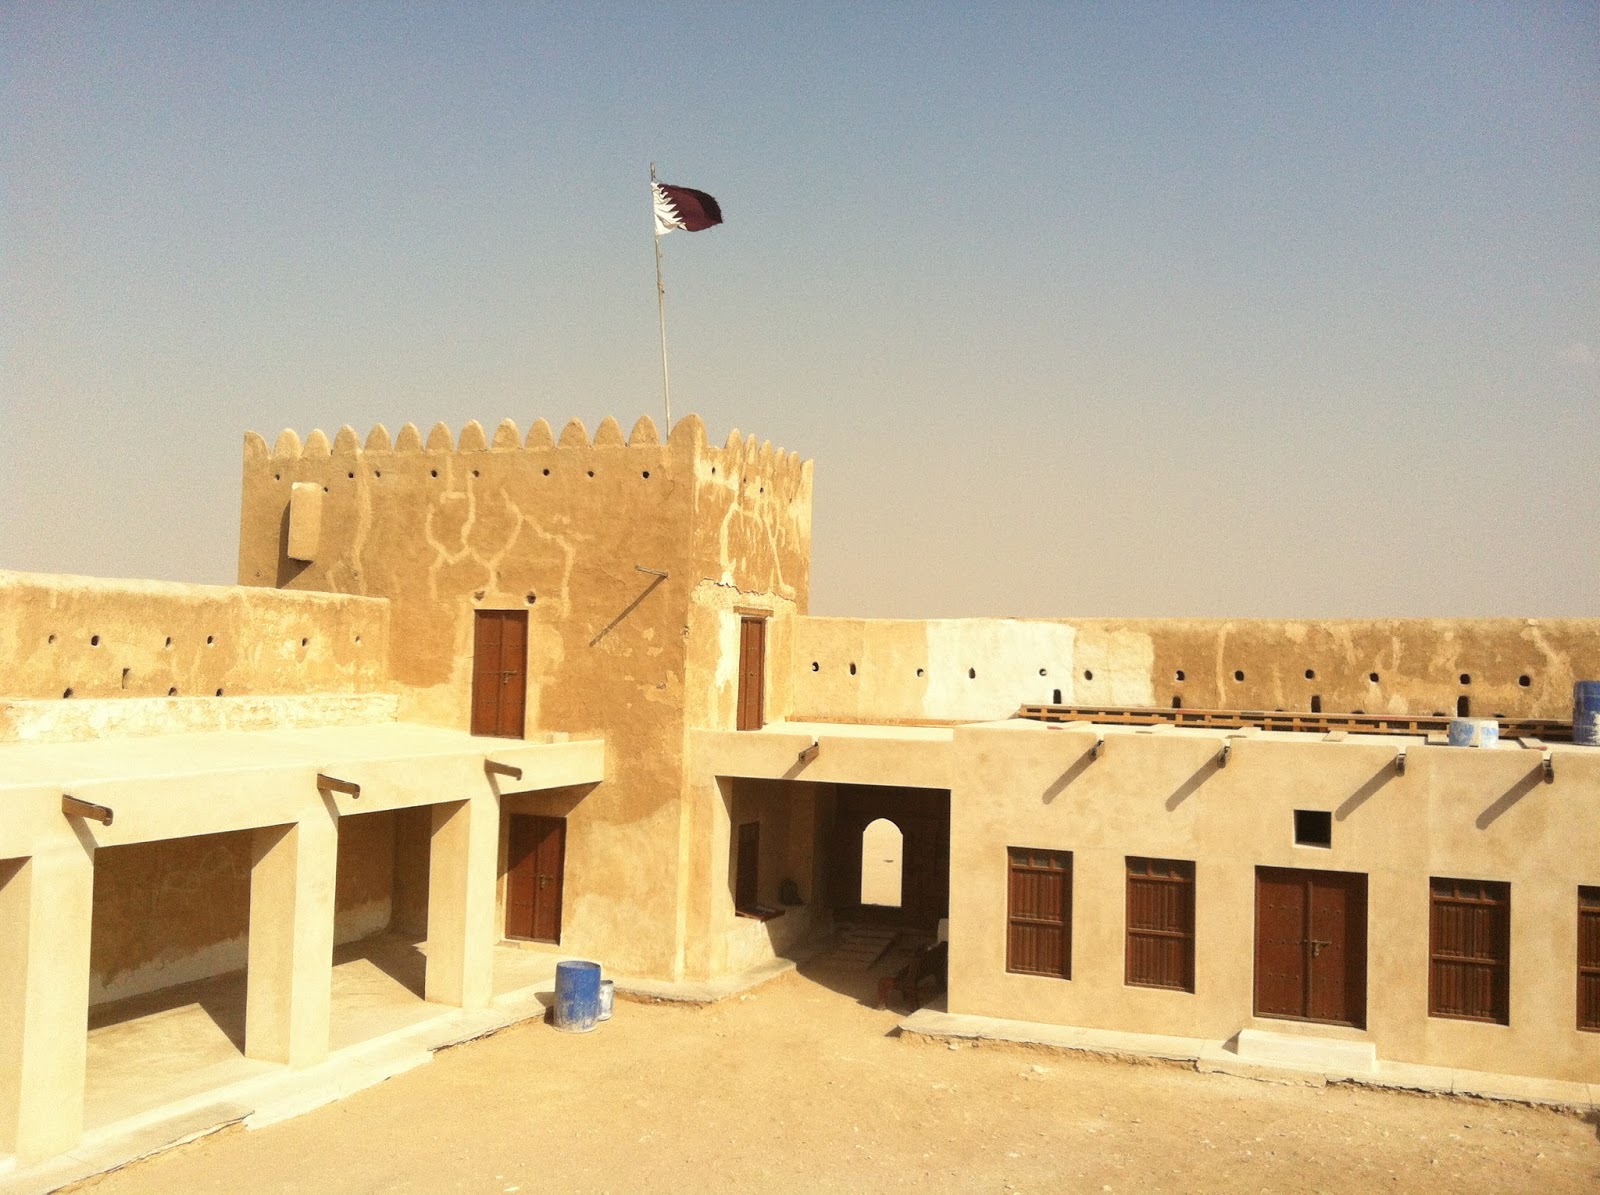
[
  {"x": 577, "y": 996},
  {"x": 1586, "y": 713}
]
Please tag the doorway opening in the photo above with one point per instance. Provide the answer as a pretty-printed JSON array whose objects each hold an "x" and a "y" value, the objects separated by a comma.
[
  {"x": 499, "y": 672},
  {"x": 882, "y": 879},
  {"x": 536, "y": 868}
]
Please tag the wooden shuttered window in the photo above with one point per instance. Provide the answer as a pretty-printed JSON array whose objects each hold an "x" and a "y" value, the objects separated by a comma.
[
  {"x": 1160, "y": 938},
  {"x": 1039, "y": 913},
  {"x": 1469, "y": 972},
  {"x": 1589, "y": 959}
]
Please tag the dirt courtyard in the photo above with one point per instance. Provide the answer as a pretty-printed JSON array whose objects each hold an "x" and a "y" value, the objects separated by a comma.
[{"x": 801, "y": 1086}]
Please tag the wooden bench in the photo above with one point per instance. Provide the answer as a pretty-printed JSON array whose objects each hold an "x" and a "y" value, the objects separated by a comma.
[{"x": 932, "y": 962}]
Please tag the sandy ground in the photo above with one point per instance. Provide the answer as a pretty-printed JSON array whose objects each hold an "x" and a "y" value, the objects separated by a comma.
[{"x": 803, "y": 1086}]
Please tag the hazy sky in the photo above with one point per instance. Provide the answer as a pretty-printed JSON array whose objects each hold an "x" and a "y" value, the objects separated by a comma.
[{"x": 1081, "y": 310}]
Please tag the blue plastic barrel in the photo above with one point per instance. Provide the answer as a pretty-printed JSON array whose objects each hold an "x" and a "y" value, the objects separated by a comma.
[
  {"x": 577, "y": 996},
  {"x": 1586, "y": 713}
]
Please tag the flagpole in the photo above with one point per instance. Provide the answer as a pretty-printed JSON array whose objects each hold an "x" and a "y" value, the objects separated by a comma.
[{"x": 661, "y": 310}]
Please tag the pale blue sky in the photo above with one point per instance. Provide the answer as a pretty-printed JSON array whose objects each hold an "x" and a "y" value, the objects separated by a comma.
[{"x": 1081, "y": 310}]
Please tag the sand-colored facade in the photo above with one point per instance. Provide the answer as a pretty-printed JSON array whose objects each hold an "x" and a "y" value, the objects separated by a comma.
[{"x": 211, "y": 720}]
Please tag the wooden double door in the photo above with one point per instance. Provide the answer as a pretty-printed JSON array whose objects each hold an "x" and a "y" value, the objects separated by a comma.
[
  {"x": 1311, "y": 945},
  {"x": 499, "y": 672},
  {"x": 536, "y": 859}
]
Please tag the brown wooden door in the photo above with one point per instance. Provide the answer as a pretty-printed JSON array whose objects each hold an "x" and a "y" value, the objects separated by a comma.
[
  {"x": 535, "y": 876},
  {"x": 752, "y": 673},
  {"x": 1311, "y": 945},
  {"x": 499, "y": 672},
  {"x": 747, "y": 867}
]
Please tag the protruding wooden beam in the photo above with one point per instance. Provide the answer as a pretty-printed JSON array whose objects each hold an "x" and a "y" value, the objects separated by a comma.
[
  {"x": 72, "y": 807},
  {"x": 333, "y": 784},
  {"x": 495, "y": 767},
  {"x": 809, "y": 753}
]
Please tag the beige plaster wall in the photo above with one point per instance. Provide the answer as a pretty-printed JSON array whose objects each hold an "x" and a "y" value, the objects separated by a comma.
[
  {"x": 1456, "y": 812},
  {"x": 560, "y": 528},
  {"x": 915, "y": 670},
  {"x": 88, "y": 637},
  {"x": 139, "y": 717},
  {"x": 174, "y": 910}
]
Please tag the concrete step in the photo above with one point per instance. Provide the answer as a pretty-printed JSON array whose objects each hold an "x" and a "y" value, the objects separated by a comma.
[{"x": 1338, "y": 1055}]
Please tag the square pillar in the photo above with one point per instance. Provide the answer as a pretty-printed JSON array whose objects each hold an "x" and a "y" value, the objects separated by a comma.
[
  {"x": 290, "y": 980},
  {"x": 46, "y": 908},
  {"x": 463, "y": 860}
]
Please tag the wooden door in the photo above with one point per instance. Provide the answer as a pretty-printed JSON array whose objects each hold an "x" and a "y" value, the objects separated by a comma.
[
  {"x": 499, "y": 672},
  {"x": 535, "y": 876},
  {"x": 752, "y": 673},
  {"x": 747, "y": 867},
  {"x": 1311, "y": 945}
]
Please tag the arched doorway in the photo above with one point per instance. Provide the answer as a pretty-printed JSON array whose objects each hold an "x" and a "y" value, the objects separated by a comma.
[{"x": 882, "y": 864}]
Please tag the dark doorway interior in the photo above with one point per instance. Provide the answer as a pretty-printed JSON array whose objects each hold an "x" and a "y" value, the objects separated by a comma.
[{"x": 923, "y": 818}]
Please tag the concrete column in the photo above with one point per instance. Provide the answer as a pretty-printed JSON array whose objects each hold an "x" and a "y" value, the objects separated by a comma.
[
  {"x": 462, "y": 872},
  {"x": 291, "y": 940},
  {"x": 46, "y": 906}
]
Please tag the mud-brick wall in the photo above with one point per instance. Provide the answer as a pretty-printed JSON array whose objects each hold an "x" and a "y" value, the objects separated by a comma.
[
  {"x": 88, "y": 637},
  {"x": 599, "y": 541},
  {"x": 973, "y": 669},
  {"x": 177, "y": 910}
]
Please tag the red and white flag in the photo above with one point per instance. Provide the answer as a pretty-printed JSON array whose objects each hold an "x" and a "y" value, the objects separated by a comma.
[{"x": 684, "y": 208}]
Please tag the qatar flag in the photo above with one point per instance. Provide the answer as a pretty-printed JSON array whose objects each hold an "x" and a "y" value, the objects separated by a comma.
[{"x": 685, "y": 208}]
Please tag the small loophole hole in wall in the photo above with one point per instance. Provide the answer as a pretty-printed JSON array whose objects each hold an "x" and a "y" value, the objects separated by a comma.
[
  {"x": 125, "y": 673},
  {"x": 1311, "y": 674},
  {"x": 377, "y": 472},
  {"x": 351, "y": 476},
  {"x": 713, "y": 470},
  {"x": 1524, "y": 680},
  {"x": 65, "y": 693},
  {"x": 1055, "y": 696},
  {"x": 94, "y": 640},
  {"x": 1373, "y": 677},
  {"x": 168, "y": 643},
  {"x": 475, "y": 473},
  {"x": 816, "y": 665},
  {"x": 1466, "y": 678},
  {"x": 52, "y": 638},
  {"x": 277, "y": 477},
  {"x": 852, "y": 669},
  {"x": 1088, "y": 674},
  {"x": 433, "y": 472},
  {"x": 1238, "y": 674},
  {"x": 1178, "y": 676},
  {"x": 591, "y": 472},
  {"x": 547, "y": 472},
  {"x": 972, "y": 674},
  {"x": 305, "y": 642},
  {"x": 358, "y": 640},
  {"x": 211, "y": 640},
  {"x": 1316, "y": 703},
  {"x": 1177, "y": 702},
  {"x": 324, "y": 489},
  {"x": 645, "y": 475},
  {"x": 762, "y": 490},
  {"x": 530, "y": 598},
  {"x": 172, "y": 692},
  {"x": 1463, "y": 706},
  {"x": 919, "y": 672},
  {"x": 219, "y": 692}
]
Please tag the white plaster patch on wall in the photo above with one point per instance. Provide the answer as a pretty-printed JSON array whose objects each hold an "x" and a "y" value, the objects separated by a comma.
[
  {"x": 216, "y": 959},
  {"x": 981, "y": 669},
  {"x": 1113, "y": 668}
]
